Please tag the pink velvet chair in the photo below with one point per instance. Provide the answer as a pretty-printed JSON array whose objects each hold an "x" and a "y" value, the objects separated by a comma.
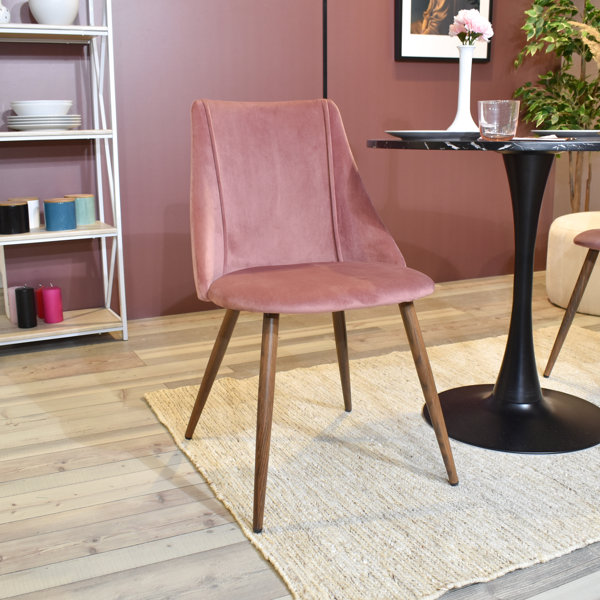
[
  {"x": 588, "y": 239},
  {"x": 281, "y": 223}
]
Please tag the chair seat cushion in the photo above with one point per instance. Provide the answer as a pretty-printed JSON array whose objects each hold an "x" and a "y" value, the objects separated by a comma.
[
  {"x": 589, "y": 239},
  {"x": 319, "y": 287}
]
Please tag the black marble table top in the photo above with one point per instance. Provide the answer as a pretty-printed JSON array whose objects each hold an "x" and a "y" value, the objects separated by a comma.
[
  {"x": 551, "y": 146},
  {"x": 515, "y": 414}
]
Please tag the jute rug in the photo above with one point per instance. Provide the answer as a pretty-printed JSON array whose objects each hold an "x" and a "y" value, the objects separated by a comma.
[{"x": 358, "y": 506}]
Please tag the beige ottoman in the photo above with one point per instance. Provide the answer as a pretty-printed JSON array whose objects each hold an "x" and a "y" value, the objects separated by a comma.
[{"x": 565, "y": 259}]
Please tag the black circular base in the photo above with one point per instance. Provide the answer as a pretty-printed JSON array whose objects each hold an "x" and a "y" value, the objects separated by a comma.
[{"x": 560, "y": 423}]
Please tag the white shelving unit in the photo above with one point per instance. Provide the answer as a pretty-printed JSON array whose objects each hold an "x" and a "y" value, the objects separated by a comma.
[{"x": 103, "y": 136}]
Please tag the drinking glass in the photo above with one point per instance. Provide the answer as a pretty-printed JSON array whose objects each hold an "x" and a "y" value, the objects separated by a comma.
[{"x": 498, "y": 119}]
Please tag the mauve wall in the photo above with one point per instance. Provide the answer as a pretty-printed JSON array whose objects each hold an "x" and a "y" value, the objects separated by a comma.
[
  {"x": 167, "y": 55},
  {"x": 450, "y": 213},
  {"x": 229, "y": 49}
]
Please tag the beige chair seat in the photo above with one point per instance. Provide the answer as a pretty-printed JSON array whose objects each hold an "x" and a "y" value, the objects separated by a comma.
[{"x": 565, "y": 260}]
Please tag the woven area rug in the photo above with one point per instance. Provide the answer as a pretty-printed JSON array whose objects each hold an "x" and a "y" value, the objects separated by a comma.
[{"x": 358, "y": 506}]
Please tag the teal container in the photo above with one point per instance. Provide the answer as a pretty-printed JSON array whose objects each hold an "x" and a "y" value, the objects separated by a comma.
[
  {"x": 59, "y": 214},
  {"x": 85, "y": 209}
]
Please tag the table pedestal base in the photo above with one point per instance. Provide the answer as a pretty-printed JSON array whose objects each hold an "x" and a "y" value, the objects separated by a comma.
[{"x": 560, "y": 423}]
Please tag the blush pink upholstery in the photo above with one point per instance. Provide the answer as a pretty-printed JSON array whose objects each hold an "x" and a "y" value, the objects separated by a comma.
[
  {"x": 281, "y": 223},
  {"x": 275, "y": 184},
  {"x": 318, "y": 287}
]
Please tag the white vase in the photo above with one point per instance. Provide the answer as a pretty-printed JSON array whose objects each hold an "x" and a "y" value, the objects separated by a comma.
[
  {"x": 4, "y": 14},
  {"x": 463, "y": 120},
  {"x": 54, "y": 12}
]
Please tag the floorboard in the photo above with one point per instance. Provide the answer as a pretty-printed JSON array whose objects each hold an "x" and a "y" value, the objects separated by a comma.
[{"x": 97, "y": 501}]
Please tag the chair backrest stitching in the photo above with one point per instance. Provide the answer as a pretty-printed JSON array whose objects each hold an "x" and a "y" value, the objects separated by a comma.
[
  {"x": 333, "y": 203},
  {"x": 209, "y": 121}
]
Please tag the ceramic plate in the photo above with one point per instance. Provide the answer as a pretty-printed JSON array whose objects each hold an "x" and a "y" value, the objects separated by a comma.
[
  {"x": 46, "y": 118},
  {"x": 57, "y": 127},
  {"x": 434, "y": 134},
  {"x": 569, "y": 133}
]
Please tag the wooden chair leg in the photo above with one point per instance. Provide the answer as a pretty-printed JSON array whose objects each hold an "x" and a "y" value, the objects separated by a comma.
[
  {"x": 341, "y": 345},
  {"x": 580, "y": 285},
  {"x": 212, "y": 368},
  {"x": 419, "y": 352},
  {"x": 266, "y": 388}
]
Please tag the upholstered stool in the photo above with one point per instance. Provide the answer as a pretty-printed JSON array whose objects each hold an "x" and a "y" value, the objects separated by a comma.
[
  {"x": 566, "y": 258},
  {"x": 589, "y": 239}
]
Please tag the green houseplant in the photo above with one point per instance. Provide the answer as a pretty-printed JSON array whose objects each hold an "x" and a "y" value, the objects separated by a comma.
[{"x": 567, "y": 97}]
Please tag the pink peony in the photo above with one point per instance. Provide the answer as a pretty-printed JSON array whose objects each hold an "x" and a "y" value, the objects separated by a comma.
[{"x": 470, "y": 25}]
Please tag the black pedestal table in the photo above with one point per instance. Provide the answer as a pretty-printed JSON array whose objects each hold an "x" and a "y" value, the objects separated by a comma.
[{"x": 515, "y": 414}]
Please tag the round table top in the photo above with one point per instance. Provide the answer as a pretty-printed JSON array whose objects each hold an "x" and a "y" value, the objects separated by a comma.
[{"x": 544, "y": 145}]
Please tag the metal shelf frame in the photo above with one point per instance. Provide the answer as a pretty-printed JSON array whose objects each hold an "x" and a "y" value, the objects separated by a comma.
[
  {"x": 51, "y": 34},
  {"x": 53, "y": 135},
  {"x": 97, "y": 39}
]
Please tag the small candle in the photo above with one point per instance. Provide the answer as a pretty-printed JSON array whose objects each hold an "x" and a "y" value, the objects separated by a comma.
[
  {"x": 39, "y": 301},
  {"x": 25, "y": 298},
  {"x": 52, "y": 300},
  {"x": 12, "y": 304}
]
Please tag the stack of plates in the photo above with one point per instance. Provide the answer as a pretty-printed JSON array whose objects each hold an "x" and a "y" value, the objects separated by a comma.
[
  {"x": 33, "y": 123},
  {"x": 569, "y": 133}
]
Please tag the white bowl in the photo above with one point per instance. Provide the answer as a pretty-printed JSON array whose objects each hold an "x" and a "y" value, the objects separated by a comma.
[
  {"x": 54, "y": 12},
  {"x": 46, "y": 108}
]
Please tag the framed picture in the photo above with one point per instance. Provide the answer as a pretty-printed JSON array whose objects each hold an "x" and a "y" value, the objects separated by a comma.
[{"x": 421, "y": 29}]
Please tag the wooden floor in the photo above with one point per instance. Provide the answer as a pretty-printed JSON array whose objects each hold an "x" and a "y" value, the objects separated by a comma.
[{"x": 97, "y": 502}]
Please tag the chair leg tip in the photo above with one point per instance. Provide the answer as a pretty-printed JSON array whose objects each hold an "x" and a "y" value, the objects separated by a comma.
[
  {"x": 188, "y": 437},
  {"x": 454, "y": 483},
  {"x": 257, "y": 530}
]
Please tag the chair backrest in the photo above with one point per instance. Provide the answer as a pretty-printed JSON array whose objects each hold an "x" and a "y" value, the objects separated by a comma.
[{"x": 275, "y": 183}]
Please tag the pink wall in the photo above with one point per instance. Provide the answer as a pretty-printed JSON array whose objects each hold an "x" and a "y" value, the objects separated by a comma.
[
  {"x": 448, "y": 211},
  {"x": 230, "y": 49},
  {"x": 165, "y": 59}
]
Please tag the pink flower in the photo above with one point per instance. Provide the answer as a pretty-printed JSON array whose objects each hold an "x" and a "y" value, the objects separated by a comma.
[{"x": 470, "y": 25}]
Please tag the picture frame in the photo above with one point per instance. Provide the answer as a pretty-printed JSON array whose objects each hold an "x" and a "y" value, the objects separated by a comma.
[{"x": 437, "y": 45}]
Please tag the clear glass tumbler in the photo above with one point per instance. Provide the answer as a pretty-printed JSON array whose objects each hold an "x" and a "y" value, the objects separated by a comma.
[{"x": 498, "y": 119}]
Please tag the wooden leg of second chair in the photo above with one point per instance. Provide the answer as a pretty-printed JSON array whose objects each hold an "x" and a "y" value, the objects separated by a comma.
[
  {"x": 341, "y": 345},
  {"x": 212, "y": 368},
  {"x": 266, "y": 389},
  {"x": 582, "y": 281},
  {"x": 419, "y": 352}
]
